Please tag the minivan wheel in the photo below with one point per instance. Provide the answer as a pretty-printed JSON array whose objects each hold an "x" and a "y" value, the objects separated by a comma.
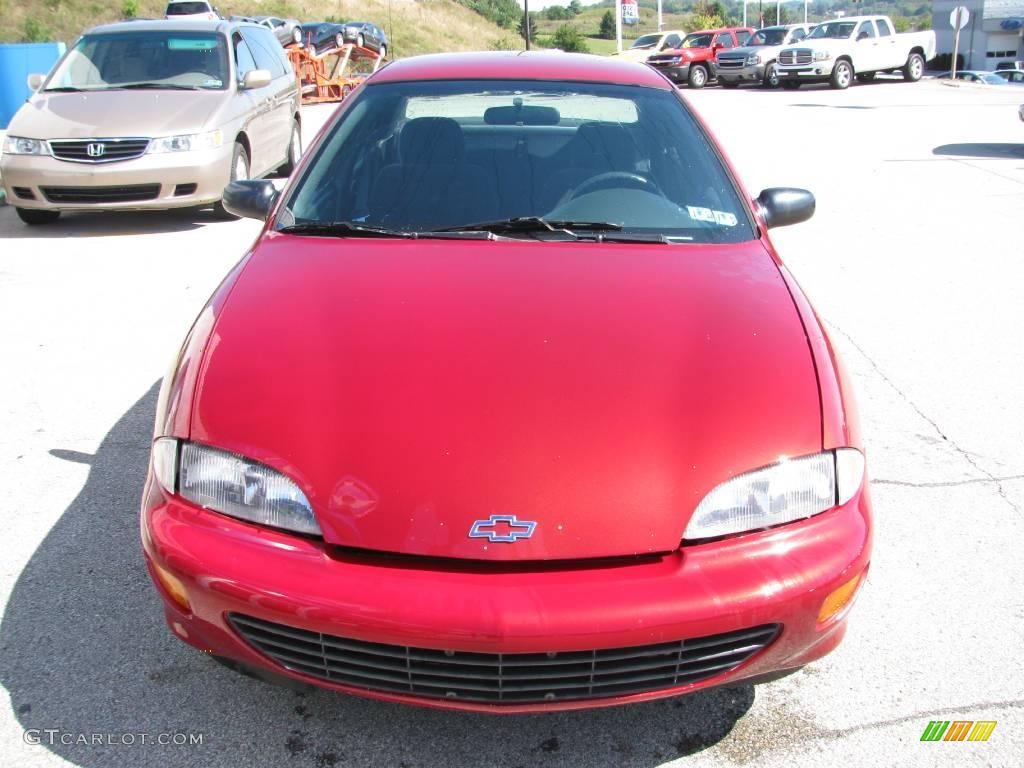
[
  {"x": 35, "y": 217},
  {"x": 239, "y": 171},
  {"x": 294, "y": 151}
]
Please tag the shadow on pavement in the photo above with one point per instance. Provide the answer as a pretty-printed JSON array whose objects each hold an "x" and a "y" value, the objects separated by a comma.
[
  {"x": 84, "y": 649},
  {"x": 997, "y": 151},
  {"x": 106, "y": 224}
]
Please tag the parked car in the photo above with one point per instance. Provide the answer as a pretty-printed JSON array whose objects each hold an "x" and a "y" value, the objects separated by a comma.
[
  {"x": 473, "y": 424},
  {"x": 975, "y": 76},
  {"x": 152, "y": 115},
  {"x": 755, "y": 61},
  {"x": 322, "y": 35},
  {"x": 287, "y": 31},
  {"x": 366, "y": 35},
  {"x": 693, "y": 62},
  {"x": 835, "y": 52},
  {"x": 646, "y": 45},
  {"x": 1015, "y": 76},
  {"x": 199, "y": 10}
]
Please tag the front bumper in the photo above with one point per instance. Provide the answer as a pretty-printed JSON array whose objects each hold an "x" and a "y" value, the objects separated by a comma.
[
  {"x": 816, "y": 72},
  {"x": 181, "y": 180},
  {"x": 753, "y": 73},
  {"x": 780, "y": 576},
  {"x": 677, "y": 73}
]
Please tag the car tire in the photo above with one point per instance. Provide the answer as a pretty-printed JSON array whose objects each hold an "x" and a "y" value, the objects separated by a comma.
[
  {"x": 790, "y": 85},
  {"x": 360, "y": 40},
  {"x": 842, "y": 75},
  {"x": 296, "y": 35},
  {"x": 698, "y": 77},
  {"x": 239, "y": 170},
  {"x": 35, "y": 217},
  {"x": 294, "y": 151},
  {"x": 865, "y": 77},
  {"x": 913, "y": 70},
  {"x": 383, "y": 51},
  {"x": 771, "y": 76},
  {"x": 339, "y": 40}
]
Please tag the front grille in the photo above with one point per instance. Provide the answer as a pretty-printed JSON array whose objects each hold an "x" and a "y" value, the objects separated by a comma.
[
  {"x": 514, "y": 678},
  {"x": 134, "y": 193},
  {"x": 98, "y": 150},
  {"x": 731, "y": 63},
  {"x": 796, "y": 56}
]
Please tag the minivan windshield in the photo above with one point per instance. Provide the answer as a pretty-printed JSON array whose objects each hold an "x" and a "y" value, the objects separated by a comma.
[
  {"x": 450, "y": 155},
  {"x": 144, "y": 59}
]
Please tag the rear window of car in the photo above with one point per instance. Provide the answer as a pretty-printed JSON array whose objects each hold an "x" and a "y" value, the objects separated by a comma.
[
  {"x": 187, "y": 9},
  {"x": 423, "y": 156}
]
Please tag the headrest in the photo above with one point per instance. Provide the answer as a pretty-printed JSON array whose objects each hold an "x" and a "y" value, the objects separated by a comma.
[{"x": 431, "y": 140}]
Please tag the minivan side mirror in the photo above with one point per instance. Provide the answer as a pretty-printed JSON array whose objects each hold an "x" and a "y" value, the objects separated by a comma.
[
  {"x": 35, "y": 81},
  {"x": 255, "y": 78},
  {"x": 250, "y": 198},
  {"x": 783, "y": 206}
]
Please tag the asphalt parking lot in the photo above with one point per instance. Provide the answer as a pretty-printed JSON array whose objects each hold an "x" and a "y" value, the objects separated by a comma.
[{"x": 914, "y": 260}]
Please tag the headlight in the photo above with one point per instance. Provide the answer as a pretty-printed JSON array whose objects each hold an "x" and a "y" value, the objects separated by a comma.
[
  {"x": 753, "y": 59},
  {"x": 791, "y": 490},
  {"x": 822, "y": 55},
  {"x": 16, "y": 145},
  {"x": 232, "y": 485},
  {"x": 187, "y": 142}
]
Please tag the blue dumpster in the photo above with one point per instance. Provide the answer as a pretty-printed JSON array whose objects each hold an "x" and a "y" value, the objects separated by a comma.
[{"x": 17, "y": 62}]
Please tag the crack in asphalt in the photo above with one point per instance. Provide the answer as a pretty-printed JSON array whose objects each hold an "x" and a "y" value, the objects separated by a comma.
[
  {"x": 947, "y": 483},
  {"x": 989, "y": 477}
]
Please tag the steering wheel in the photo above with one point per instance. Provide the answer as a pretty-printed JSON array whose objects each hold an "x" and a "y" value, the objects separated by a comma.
[{"x": 614, "y": 179}]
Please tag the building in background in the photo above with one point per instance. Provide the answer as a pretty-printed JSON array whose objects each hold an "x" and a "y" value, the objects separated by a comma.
[{"x": 992, "y": 36}]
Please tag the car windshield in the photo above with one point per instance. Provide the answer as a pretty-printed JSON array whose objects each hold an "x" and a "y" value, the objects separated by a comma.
[
  {"x": 837, "y": 30},
  {"x": 988, "y": 77},
  {"x": 698, "y": 40},
  {"x": 151, "y": 59},
  {"x": 768, "y": 37},
  {"x": 427, "y": 156},
  {"x": 646, "y": 41},
  {"x": 187, "y": 9}
]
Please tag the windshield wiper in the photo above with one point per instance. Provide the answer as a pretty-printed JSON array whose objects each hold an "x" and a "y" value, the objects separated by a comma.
[
  {"x": 65, "y": 89},
  {"x": 155, "y": 86},
  {"x": 342, "y": 229},
  {"x": 528, "y": 224}
]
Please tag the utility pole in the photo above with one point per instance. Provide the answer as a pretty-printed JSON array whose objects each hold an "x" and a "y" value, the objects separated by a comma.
[
  {"x": 526, "y": 22},
  {"x": 661, "y": 22},
  {"x": 618, "y": 25}
]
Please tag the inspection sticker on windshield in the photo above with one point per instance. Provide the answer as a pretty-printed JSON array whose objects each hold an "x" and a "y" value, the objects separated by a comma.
[{"x": 711, "y": 217}]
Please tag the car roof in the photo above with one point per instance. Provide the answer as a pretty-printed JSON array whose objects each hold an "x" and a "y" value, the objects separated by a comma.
[
  {"x": 169, "y": 25},
  {"x": 522, "y": 65}
]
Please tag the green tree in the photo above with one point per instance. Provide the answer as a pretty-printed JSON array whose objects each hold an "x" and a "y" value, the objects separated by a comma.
[
  {"x": 532, "y": 20},
  {"x": 607, "y": 30},
  {"x": 575, "y": 7},
  {"x": 130, "y": 9},
  {"x": 570, "y": 40}
]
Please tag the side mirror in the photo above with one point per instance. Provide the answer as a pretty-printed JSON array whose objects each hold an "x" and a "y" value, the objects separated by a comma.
[
  {"x": 35, "y": 82},
  {"x": 783, "y": 206},
  {"x": 250, "y": 198},
  {"x": 255, "y": 78}
]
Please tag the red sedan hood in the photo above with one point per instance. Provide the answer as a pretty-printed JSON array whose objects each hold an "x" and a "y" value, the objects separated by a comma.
[{"x": 412, "y": 388}]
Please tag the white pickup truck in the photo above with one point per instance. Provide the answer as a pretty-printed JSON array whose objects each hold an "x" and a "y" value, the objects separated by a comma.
[{"x": 857, "y": 46}]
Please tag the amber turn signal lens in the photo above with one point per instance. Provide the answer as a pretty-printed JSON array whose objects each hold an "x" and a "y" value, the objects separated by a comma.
[
  {"x": 173, "y": 586},
  {"x": 839, "y": 599}
]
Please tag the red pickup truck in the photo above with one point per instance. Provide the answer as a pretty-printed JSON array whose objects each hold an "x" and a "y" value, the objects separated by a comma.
[{"x": 692, "y": 61}]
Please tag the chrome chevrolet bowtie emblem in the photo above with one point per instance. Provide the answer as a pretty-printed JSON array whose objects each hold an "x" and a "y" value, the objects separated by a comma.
[
  {"x": 95, "y": 150},
  {"x": 502, "y": 528}
]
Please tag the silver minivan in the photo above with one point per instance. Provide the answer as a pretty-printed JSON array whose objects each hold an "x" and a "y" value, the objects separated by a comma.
[{"x": 152, "y": 115}]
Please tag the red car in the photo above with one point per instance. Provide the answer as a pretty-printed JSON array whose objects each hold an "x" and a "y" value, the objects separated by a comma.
[
  {"x": 693, "y": 62},
  {"x": 512, "y": 406}
]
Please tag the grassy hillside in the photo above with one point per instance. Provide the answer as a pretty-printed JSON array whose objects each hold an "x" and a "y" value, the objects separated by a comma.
[{"x": 414, "y": 26}]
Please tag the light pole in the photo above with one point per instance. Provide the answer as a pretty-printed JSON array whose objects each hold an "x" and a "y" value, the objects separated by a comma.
[{"x": 526, "y": 22}]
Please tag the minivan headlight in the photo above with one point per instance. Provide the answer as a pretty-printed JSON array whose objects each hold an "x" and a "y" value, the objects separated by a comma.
[
  {"x": 792, "y": 489},
  {"x": 17, "y": 145},
  {"x": 187, "y": 142},
  {"x": 232, "y": 485}
]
